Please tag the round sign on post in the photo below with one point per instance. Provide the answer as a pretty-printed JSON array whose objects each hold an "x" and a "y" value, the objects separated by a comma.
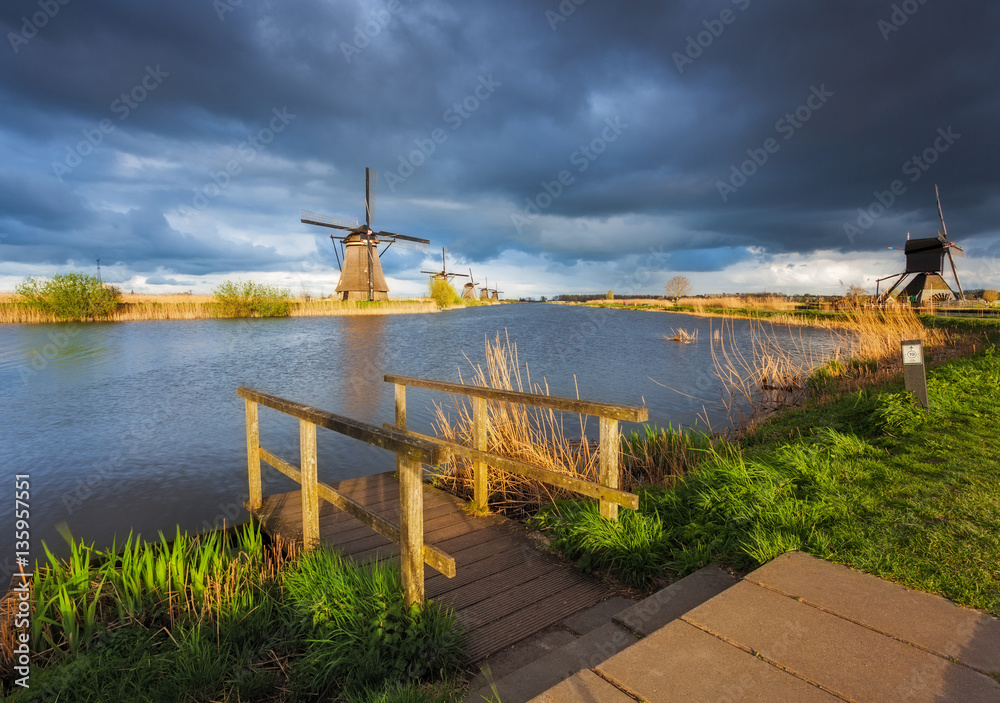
[{"x": 914, "y": 372}]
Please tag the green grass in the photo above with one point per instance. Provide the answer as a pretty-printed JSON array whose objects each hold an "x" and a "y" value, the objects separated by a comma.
[
  {"x": 229, "y": 620},
  {"x": 866, "y": 480}
]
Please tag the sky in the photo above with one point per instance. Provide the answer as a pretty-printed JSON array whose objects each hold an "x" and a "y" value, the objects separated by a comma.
[{"x": 569, "y": 146}]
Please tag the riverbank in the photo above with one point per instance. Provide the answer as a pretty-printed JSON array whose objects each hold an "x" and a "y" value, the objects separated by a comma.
[
  {"x": 863, "y": 478},
  {"x": 200, "y": 307}
]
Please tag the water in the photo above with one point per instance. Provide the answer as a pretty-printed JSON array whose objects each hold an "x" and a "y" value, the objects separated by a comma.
[{"x": 138, "y": 426}]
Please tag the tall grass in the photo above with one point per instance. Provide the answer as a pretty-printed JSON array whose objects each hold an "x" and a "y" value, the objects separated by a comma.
[{"x": 213, "y": 618}]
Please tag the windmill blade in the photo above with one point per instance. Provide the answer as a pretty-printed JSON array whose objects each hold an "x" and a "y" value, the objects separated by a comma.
[
  {"x": 444, "y": 266},
  {"x": 944, "y": 227},
  {"x": 954, "y": 272},
  {"x": 407, "y": 245},
  {"x": 369, "y": 197},
  {"x": 403, "y": 236},
  {"x": 433, "y": 273},
  {"x": 314, "y": 218},
  {"x": 463, "y": 275},
  {"x": 957, "y": 250}
]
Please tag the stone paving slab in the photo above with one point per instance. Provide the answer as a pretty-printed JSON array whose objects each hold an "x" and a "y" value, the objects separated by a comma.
[
  {"x": 926, "y": 620},
  {"x": 680, "y": 662},
  {"x": 857, "y": 663},
  {"x": 584, "y": 653},
  {"x": 597, "y": 615},
  {"x": 652, "y": 613},
  {"x": 584, "y": 687}
]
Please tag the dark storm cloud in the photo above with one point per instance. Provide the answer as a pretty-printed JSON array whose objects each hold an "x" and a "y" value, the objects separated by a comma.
[{"x": 604, "y": 127}]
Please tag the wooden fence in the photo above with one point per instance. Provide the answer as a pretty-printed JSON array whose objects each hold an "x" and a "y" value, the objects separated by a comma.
[
  {"x": 411, "y": 454},
  {"x": 606, "y": 490}
]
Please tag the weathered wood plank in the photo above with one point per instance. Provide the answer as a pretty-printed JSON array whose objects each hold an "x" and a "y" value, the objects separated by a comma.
[
  {"x": 253, "y": 455},
  {"x": 411, "y": 531},
  {"x": 587, "y": 488},
  {"x": 607, "y": 457},
  {"x": 480, "y": 482},
  {"x": 309, "y": 481},
  {"x": 409, "y": 447},
  {"x": 584, "y": 407}
]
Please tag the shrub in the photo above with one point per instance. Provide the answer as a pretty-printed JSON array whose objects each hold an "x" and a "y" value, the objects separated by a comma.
[
  {"x": 249, "y": 299},
  {"x": 443, "y": 293},
  {"x": 71, "y": 296}
]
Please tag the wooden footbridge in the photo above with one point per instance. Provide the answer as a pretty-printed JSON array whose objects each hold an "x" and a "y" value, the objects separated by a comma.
[{"x": 501, "y": 586}]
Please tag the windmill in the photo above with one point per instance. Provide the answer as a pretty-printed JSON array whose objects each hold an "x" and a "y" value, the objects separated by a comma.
[
  {"x": 495, "y": 293},
  {"x": 443, "y": 274},
  {"x": 484, "y": 294},
  {"x": 361, "y": 276},
  {"x": 469, "y": 291},
  {"x": 925, "y": 259}
]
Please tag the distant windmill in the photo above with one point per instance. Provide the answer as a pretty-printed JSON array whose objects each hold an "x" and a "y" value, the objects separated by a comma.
[
  {"x": 469, "y": 292},
  {"x": 496, "y": 293},
  {"x": 444, "y": 274},
  {"x": 484, "y": 294},
  {"x": 925, "y": 259},
  {"x": 361, "y": 276}
]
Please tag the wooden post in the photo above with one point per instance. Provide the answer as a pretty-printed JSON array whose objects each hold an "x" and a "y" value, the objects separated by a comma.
[
  {"x": 607, "y": 455},
  {"x": 411, "y": 530},
  {"x": 253, "y": 455},
  {"x": 310, "y": 494},
  {"x": 400, "y": 406},
  {"x": 480, "y": 481}
]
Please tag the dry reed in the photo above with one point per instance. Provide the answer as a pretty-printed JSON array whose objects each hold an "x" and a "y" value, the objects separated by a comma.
[
  {"x": 199, "y": 307},
  {"x": 682, "y": 335},
  {"x": 533, "y": 435}
]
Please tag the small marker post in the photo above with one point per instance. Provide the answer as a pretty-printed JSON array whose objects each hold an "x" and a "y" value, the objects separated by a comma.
[{"x": 914, "y": 370}]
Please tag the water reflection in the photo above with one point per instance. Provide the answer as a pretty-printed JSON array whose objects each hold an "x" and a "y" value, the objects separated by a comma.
[{"x": 137, "y": 425}]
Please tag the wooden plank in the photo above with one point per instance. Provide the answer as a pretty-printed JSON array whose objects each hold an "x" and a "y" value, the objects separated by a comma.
[
  {"x": 253, "y": 455},
  {"x": 412, "y": 449},
  {"x": 310, "y": 498},
  {"x": 502, "y": 604},
  {"x": 488, "y": 586},
  {"x": 587, "y": 488},
  {"x": 584, "y": 407},
  {"x": 512, "y": 628},
  {"x": 607, "y": 457},
  {"x": 411, "y": 531},
  {"x": 281, "y": 465},
  {"x": 480, "y": 482}
]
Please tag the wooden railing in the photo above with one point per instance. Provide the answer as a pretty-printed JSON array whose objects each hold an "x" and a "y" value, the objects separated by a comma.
[
  {"x": 606, "y": 491},
  {"x": 411, "y": 454}
]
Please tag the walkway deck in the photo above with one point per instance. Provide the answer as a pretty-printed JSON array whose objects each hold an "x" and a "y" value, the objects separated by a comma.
[{"x": 505, "y": 589}]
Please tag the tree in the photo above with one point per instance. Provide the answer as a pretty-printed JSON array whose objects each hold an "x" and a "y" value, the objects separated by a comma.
[
  {"x": 990, "y": 295},
  {"x": 610, "y": 295},
  {"x": 442, "y": 292},
  {"x": 677, "y": 287}
]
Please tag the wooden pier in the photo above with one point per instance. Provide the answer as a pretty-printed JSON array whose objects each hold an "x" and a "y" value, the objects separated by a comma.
[{"x": 505, "y": 588}]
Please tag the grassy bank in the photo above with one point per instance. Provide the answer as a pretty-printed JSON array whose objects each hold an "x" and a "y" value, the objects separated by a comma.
[
  {"x": 198, "y": 307},
  {"x": 865, "y": 478},
  {"x": 206, "y": 619}
]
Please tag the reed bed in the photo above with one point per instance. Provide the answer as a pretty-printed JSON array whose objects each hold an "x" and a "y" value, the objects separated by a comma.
[
  {"x": 768, "y": 373},
  {"x": 682, "y": 335},
  {"x": 136, "y": 307},
  {"x": 533, "y": 435}
]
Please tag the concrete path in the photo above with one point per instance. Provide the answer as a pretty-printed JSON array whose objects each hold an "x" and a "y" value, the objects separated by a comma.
[{"x": 803, "y": 629}]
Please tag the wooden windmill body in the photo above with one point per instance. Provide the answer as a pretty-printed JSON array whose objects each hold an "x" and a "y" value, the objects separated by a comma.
[
  {"x": 469, "y": 291},
  {"x": 925, "y": 261},
  {"x": 361, "y": 276}
]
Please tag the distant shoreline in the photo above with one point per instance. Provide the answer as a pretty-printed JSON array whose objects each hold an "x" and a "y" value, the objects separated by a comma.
[{"x": 137, "y": 308}]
